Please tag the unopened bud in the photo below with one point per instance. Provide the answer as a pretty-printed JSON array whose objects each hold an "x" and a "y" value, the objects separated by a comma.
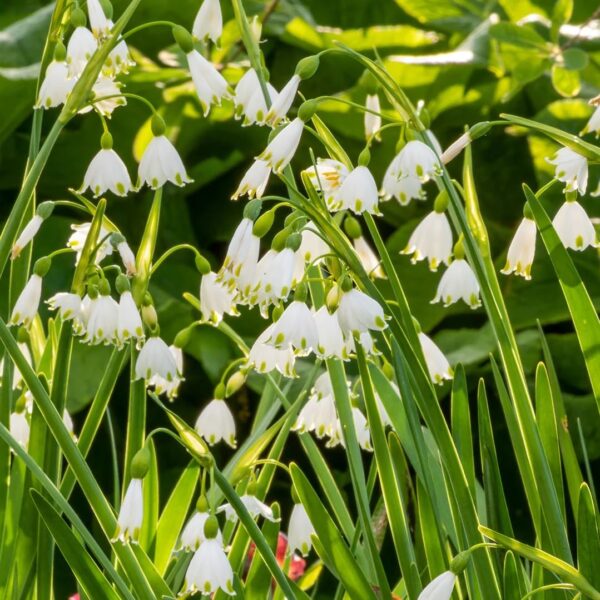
[
  {"x": 293, "y": 241},
  {"x": 183, "y": 337},
  {"x": 211, "y": 528},
  {"x": 252, "y": 209},
  {"x": 60, "y": 52},
  {"x": 106, "y": 141},
  {"x": 23, "y": 335},
  {"x": 140, "y": 463},
  {"x": 459, "y": 562},
  {"x": 441, "y": 202},
  {"x": 234, "y": 383},
  {"x": 183, "y": 38},
  {"x": 307, "y": 110},
  {"x": 307, "y": 67},
  {"x": 333, "y": 298},
  {"x": 352, "y": 227},
  {"x": 202, "y": 264},
  {"x": 122, "y": 284},
  {"x": 42, "y": 266},
  {"x": 263, "y": 224},
  {"x": 202, "y": 504},
  {"x": 45, "y": 209},
  {"x": 149, "y": 316},
  {"x": 78, "y": 18}
]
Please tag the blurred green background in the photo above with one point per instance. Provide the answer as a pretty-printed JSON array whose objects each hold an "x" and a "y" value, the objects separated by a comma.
[{"x": 467, "y": 60}]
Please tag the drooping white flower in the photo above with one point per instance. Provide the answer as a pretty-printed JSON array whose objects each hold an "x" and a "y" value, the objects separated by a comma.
[
  {"x": 192, "y": 535},
  {"x": 404, "y": 189},
  {"x": 26, "y": 235},
  {"x": 127, "y": 257},
  {"x": 327, "y": 176},
  {"x": 570, "y": 168},
  {"x": 358, "y": 192},
  {"x": 131, "y": 514},
  {"x": 165, "y": 386},
  {"x": 106, "y": 171},
  {"x": 440, "y": 588},
  {"x": 103, "y": 320},
  {"x": 331, "y": 339},
  {"x": 358, "y": 312},
  {"x": 319, "y": 414},
  {"x": 458, "y": 283},
  {"x": 574, "y": 227},
  {"x": 118, "y": 61},
  {"x": 28, "y": 302},
  {"x": 275, "y": 272},
  {"x": 79, "y": 236},
  {"x": 209, "y": 569},
  {"x": 254, "y": 181},
  {"x": 19, "y": 427},
  {"x": 99, "y": 23},
  {"x": 455, "y": 148},
  {"x": 129, "y": 320},
  {"x": 243, "y": 249},
  {"x": 431, "y": 239},
  {"x": 282, "y": 148},
  {"x": 209, "y": 21},
  {"x": 161, "y": 163},
  {"x": 299, "y": 531},
  {"x": 437, "y": 364},
  {"x": 372, "y": 121},
  {"x": 56, "y": 86},
  {"x": 216, "y": 423},
  {"x": 363, "y": 435},
  {"x": 283, "y": 102},
  {"x": 313, "y": 247},
  {"x": 216, "y": 299},
  {"x": 82, "y": 44},
  {"x": 249, "y": 99},
  {"x": 296, "y": 328},
  {"x": 368, "y": 258},
  {"x": 68, "y": 305},
  {"x": 106, "y": 97},
  {"x": 365, "y": 339},
  {"x": 521, "y": 251},
  {"x": 593, "y": 124},
  {"x": 264, "y": 357},
  {"x": 418, "y": 160},
  {"x": 253, "y": 505},
  {"x": 210, "y": 85},
  {"x": 155, "y": 358},
  {"x": 307, "y": 417}
]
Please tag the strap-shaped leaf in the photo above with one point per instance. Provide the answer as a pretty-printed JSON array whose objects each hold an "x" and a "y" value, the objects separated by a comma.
[{"x": 588, "y": 537}]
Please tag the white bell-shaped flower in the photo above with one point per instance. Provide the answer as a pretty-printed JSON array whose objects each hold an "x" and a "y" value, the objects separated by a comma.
[
  {"x": 368, "y": 258},
  {"x": 264, "y": 357},
  {"x": 431, "y": 240},
  {"x": 275, "y": 271},
  {"x": 307, "y": 417},
  {"x": 299, "y": 531},
  {"x": 68, "y": 305},
  {"x": 106, "y": 97},
  {"x": 521, "y": 251},
  {"x": 372, "y": 121},
  {"x": 216, "y": 423},
  {"x": 118, "y": 61},
  {"x": 209, "y": 570},
  {"x": 130, "y": 324},
  {"x": 106, "y": 171},
  {"x": 155, "y": 358},
  {"x": 571, "y": 168},
  {"x": 404, "y": 189},
  {"x": 99, "y": 23},
  {"x": 254, "y": 181},
  {"x": 282, "y": 148},
  {"x": 593, "y": 124},
  {"x": 19, "y": 427},
  {"x": 365, "y": 339},
  {"x": 437, "y": 364},
  {"x": 192, "y": 535},
  {"x": 418, "y": 160},
  {"x": 210, "y": 85},
  {"x": 166, "y": 386},
  {"x": 26, "y": 235},
  {"x": 283, "y": 102},
  {"x": 363, "y": 435},
  {"x": 574, "y": 227},
  {"x": 131, "y": 514},
  {"x": 253, "y": 505},
  {"x": 79, "y": 236},
  {"x": 358, "y": 192},
  {"x": 358, "y": 312},
  {"x": 103, "y": 320},
  {"x": 28, "y": 302},
  {"x": 216, "y": 299},
  {"x": 331, "y": 339},
  {"x": 56, "y": 85},
  {"x": 312, "y": 247},
  {"x": 327, "y": 176},
  {"x": 209, "y": 21},
  {"x": 296, "y": 328},
  {"x": 82, "y": 44},
  {"x": 243, "y": 248},
  {"x": 440, "y": 588},
  {"x": 161, "y": 163},
  {"x": 458, "y": 283},
  {"x": 249, "y": 99}
]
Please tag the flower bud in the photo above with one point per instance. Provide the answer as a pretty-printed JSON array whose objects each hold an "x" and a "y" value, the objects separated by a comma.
[
  {"x": 459, "y": 248},
  {"x": 234, "y": 383},
  {"x": 352, "y": 227},
  {"x": 307, "y": 66},
  {"x": 479, "y": 129},
  {"x": 263, "y": 224},
  {"x": 104, "y": 287},
  {"x": 106, "y": 141},
  {"x": 149, "y": 316},
  {"x": 211, "y": 528},
  {"x": 459, "y": 562},
  {"x": 140, "y": 463},
  {"x": 219, "y": 392},
  {"x": 293, "y": 241},
  {"x": 182, "y": 338},
  {"x": 307, "y": 110},
  {"x": 60, "y": 52},
  {"x": 92, "y": 291},
  {"x": 122, "y": 284},
  {"x": 45, "y": 209},
  {"x": 346, "y": 284},
  {"x": 301, "y": 292},
  {"x": 157, "y": 125},
  {"x": 23, "y": 335},
  {"x": 333, "y": 298},
  {"x": 202, "y": 264},
  {"x": 42, "y": 266},
  {"x": 183, "y": 38},
  {"x": 364, "y": 158},
  {"x": 280, "y": 239},
  {"x": 252, "y": 209},
  {"x": 202, "y": 504},
  {"x": 78, "y": 18},
  {"x": 107, "y": 7},
  {"x": 441, "y": 202}
]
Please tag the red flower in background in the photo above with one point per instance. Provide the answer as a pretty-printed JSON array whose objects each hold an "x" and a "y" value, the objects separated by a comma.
[{"x": 297, "y": 563}]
